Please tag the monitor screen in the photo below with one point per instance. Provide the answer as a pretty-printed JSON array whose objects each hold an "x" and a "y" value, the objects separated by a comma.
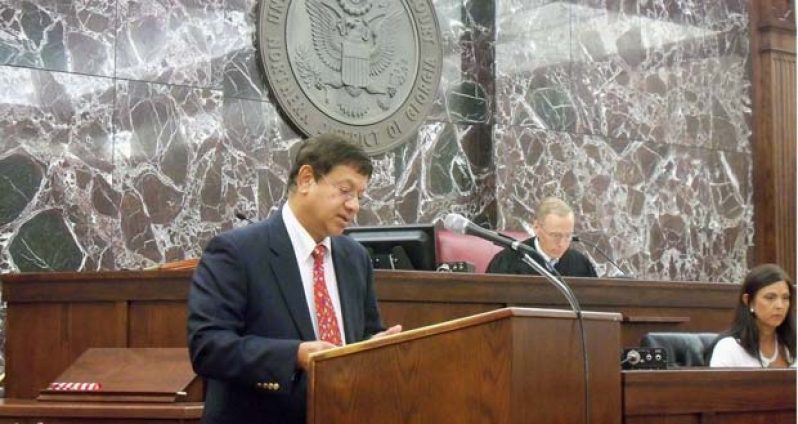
[{"x": 398, "y": 247}]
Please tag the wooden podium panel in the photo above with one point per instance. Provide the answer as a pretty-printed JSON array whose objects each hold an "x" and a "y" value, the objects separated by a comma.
[{"x": 506, "y": 366}]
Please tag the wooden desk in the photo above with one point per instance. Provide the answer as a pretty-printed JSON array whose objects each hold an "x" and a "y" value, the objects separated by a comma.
[
  {"x": 53, "y": 317},
  {"x": 698, "y": 395},
  {"x": 705, "y": 395},
  {"x": 421, "y": 298},
  {"x": 28, "y": 411}
]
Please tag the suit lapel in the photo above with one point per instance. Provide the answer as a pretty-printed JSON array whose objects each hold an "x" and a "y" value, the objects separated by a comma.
[
  {"x": 286, "y": 272},
  {"x": 346, "y": 277}
]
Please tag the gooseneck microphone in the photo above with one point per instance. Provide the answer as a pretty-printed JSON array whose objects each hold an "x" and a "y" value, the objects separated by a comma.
[
  {"x": 459, "y": 224},
  {"x": 243, "y": 217},
  {"x": 604, "y": 255}
]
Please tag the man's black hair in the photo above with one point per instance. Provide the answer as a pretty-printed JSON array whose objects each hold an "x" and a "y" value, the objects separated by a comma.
[{"x": 326, "y": 151}]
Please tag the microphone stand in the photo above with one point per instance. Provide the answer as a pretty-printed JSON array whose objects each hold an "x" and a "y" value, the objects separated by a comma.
[
  {"x": 569, "y": 295},
  {"x": 555, "y": 281},
  {"x": 595, "y": 247}
]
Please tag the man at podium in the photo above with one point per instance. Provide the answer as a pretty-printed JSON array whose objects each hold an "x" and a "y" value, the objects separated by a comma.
[{"x": 266, "y": 296}]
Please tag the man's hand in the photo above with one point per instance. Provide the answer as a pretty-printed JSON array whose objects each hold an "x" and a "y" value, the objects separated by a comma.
[
  {"x": 306, "y": 348},
  {"x": 393, "y": 330}
]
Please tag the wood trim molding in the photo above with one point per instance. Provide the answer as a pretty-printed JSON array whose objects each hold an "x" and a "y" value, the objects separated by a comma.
[{"x": 774, "y": 132}]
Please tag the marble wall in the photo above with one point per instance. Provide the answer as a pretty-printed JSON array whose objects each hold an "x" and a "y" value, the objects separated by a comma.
[{"x": 131, "y": 131}]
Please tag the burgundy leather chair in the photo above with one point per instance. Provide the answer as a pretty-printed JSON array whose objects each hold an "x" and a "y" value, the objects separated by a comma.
[{"x": 455, "y": 247}]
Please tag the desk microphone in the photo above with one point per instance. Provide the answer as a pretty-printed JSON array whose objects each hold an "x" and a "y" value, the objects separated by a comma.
[
  {"x": 633, "y": 357},
  {"x": 603, "y": 254},
  {"x": 243, "y": 217}
]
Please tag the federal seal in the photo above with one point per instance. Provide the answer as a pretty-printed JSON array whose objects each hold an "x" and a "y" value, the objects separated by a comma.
[{"x": 366, "y": 69}]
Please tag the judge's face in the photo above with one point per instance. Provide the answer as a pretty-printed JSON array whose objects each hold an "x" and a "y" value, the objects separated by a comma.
[
  {"x": 554, "y": 233},
  {"x": 330, "y": 202},
  {"x": 770, "y": 305}
]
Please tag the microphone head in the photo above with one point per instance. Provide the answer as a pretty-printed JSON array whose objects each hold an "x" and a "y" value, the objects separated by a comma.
[
  {"x": 456, "y": 223},
  {"x": 241, "y": 216},
  {"x": 575, "y": 238}
]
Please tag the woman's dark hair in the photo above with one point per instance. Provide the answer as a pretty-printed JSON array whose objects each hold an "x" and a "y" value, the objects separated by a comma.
[
  {"x": 326, "y": 151},
  {"x": 744, "y": 326}
]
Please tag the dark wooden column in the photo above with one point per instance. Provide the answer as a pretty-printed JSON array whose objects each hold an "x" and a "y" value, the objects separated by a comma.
[{"x": 774, "y": 131}]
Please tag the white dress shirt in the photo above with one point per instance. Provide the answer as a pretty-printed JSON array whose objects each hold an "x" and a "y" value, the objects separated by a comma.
[{"x": 550, "y": 262}]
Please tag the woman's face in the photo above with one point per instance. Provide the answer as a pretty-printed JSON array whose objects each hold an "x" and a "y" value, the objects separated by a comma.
[{"x": 771, "y": 304}]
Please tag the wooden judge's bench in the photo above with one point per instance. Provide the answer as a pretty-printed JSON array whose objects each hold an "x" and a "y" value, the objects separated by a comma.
[{"x": 483, "y": 348}]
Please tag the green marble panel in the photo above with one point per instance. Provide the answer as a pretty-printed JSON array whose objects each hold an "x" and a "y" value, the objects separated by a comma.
[
  {"x": 45, "y": 244},
  {"x": 20, "y": 178}
]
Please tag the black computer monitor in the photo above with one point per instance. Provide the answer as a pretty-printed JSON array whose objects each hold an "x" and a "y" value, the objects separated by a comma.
[{"x": 399, "y": 246}]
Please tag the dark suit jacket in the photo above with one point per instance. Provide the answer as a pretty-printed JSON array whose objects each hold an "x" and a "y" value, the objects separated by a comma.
[
  {"x": 572, "y": 263},
  {"x": 248, "y": 314}
]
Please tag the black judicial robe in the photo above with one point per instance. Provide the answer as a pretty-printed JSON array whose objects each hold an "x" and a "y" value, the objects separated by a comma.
[{"x": 572, "y": 263}]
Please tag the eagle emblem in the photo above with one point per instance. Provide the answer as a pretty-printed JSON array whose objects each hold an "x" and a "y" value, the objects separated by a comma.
[{"x": 351, "y": 38}]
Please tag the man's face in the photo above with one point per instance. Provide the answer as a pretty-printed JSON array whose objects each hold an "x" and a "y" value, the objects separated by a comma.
[
  {"x": 554, "y": 233},
  {"x": 334, "y": 201}
]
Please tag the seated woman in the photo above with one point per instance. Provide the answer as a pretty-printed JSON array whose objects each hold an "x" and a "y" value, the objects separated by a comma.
[{"x": 763, "y": 331}]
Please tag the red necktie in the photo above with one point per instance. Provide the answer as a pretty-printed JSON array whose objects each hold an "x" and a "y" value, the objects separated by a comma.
[{"x": 325, "y": 312}]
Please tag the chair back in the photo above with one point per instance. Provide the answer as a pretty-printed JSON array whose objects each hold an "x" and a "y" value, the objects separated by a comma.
[
  {"x": 454, "y": 247},
  {"x": 683, "y": 349}
]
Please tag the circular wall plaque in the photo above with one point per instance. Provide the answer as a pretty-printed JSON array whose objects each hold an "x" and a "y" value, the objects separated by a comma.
[{"x": 365, "y": 69}]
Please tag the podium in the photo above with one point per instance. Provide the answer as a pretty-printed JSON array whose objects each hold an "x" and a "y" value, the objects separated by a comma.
[{"x": 512, "y": 365}]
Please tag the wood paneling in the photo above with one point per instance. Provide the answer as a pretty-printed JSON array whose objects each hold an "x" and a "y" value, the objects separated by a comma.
[
  {"x": 420, "y": 298},
  {"x": 75, "y": 311},
  {"x": 774, "y": 132},
  {"x": 43, "y": 339},
  {"x": 158, "y": 324},
  {"x": 414, "y": 314},
  {"x": 20, "y": 411},
  {"x": 710, "y": 396},
  {"x": 53, "y": 317}
]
